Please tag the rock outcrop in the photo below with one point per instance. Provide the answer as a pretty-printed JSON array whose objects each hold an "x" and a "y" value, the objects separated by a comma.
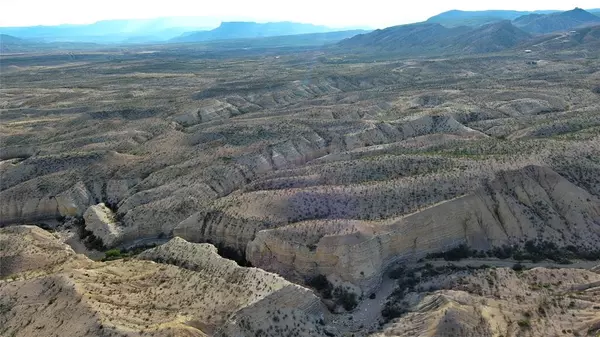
[
  {"x": 532, "y": 203},
  {"x": 493, "y": 302},
  {"x": 193, "y": 292},
  {"x": 100, "y": 220},
  {"x": 29, "y": 248}
]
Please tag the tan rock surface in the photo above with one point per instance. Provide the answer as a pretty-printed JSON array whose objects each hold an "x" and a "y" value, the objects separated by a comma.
[
  {"x": 100, "y": 220},
  {"x": 516, "y": 206},
  {"x": 205, "y": 295},
  {"x": 493, "y": 302}
]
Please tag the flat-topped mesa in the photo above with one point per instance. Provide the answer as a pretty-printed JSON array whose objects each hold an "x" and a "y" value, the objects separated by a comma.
[{"x": 530, "y": 203}]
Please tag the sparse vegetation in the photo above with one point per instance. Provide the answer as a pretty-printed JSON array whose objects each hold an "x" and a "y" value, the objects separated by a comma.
[
  {"x": 341, "y": 296},
  {"x": 290, "y": 170}
]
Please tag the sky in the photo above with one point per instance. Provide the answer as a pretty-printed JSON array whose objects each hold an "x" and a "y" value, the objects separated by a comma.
[{"x": 333, "y": 13}]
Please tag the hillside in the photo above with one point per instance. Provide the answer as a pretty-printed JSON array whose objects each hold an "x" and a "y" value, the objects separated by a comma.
[
  {"x": 8, "y": 39},
  {"x": 456, "y": 18},
  {"x": 467, "y": 301},
  {"x": 114, "y": 31},
  {"x": 419, "y": 36},
  {"x": 452, "y": 190},
  {"x": 492, "y": 37},
  {"x": 190, "y": 291},
  {"x": 556, "y": 22},
  {"x": 433, "y": 37},
  {"x": 300, "y": 40},
  {"x": 242, "y": 30},
  {"x": 9, "y": 43},
  {"x": 185, "y": 289},
  {"x": 584, "y": 38}
]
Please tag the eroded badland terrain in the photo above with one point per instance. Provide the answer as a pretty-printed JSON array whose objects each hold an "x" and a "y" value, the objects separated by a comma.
[{"x": 342, "y": 184}]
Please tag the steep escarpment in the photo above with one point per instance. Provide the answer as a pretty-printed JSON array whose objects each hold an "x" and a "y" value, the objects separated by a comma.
[{"x": 516, "y": 206}]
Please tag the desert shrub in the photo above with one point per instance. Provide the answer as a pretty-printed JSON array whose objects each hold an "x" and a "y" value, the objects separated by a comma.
[
  {"x": 454, "y": 254},
  {"x": 319, "y": 282},
  {"x": 322, "y": 285},
  {"x": 390, "y": 312},
  {"x": 518, "y": 267},
  {"x": 93, "y": 242},
  {"x": 503, "y": 252},
  {"x": 546, "y": 250},
  {"x": 112, "y": 254},
  {"x": 398, "y": 272},
  {"x": 524, "y": 324},
  {"x": 345, "y": 298},
  {"x": 6, "y": 307}
]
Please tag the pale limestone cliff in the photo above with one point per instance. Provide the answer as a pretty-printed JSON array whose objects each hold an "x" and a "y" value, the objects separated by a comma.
[
  {"x": 100, "y": 220},
  {"x": 531, "y": 203}
]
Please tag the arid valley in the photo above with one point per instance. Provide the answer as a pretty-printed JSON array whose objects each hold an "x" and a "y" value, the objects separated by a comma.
[{"x": 339, "y": 190}]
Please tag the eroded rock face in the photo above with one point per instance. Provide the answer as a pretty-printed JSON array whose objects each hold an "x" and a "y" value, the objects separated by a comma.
[
  {"x": 58, "y": 195},
  {"x": 534, "y": 202},
  {"x": 493, "y": 302},
  {"x": 29, "y": 248},
  {"x": 192, "y": 292},
  {"x": 100, "y": 220}
]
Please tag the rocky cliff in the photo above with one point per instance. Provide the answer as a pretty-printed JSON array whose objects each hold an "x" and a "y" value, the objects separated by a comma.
[
  {"x": 191, "y": 292},
  {"x": 532, "y": 203}
]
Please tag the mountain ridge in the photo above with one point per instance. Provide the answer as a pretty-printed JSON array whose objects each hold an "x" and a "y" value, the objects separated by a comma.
[
  {"x": 491, "y": 37},
  {"x": 563, "y": 21},
  {"x": 247, "y": 29},
  {"x": 434, "y": 36},
  {"x": 456, "y": 17}
]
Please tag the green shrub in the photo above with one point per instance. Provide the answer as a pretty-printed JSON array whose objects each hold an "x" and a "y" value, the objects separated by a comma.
[
  {"x": 524, "y": 324},
  {"x": 113, "y": 254},
  {"x": 454, "y": 254},
  {"x": 319, "y": 282}
]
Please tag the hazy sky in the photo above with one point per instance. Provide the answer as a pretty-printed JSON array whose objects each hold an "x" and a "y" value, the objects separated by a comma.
[{"x": 335, "y": 13}]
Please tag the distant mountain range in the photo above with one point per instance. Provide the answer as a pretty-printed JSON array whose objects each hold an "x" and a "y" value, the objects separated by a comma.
[
  {"x": 115, "y": 31},
  {"x": 299, "y": 40},
  {"x": 11, "y": 44},
  {"x": 492, "y": 37},
  {"x": 475, "y": 31},
  {"x": 542, "y": 24},
  {"x": 245, "y": 30},
  {"x": 172, "y": 29},
  {"x": 433, "y": 37},
  {"x": 455, "y": 18},
  {"x": 588, "y": 37}
]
